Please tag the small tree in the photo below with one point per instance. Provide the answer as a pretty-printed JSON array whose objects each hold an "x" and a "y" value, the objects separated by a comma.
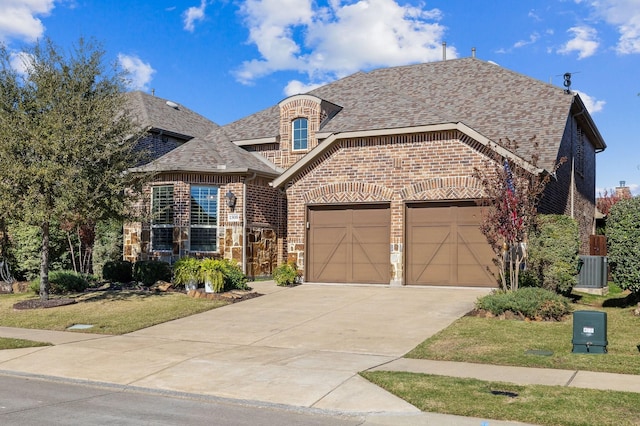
[
  {"x": 553, "y": 252},
  {"x": 608, "y": 199},
  {"x": 623, "y": 239},
  {"x": 512, "y": 194}
]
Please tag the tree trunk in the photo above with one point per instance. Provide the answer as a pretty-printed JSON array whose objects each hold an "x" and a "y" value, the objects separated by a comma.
[{"x": 44, "y": 263}]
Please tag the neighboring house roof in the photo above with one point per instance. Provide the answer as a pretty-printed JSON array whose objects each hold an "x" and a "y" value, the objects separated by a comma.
[
  {"x": 495, "y": 102},
  {"x": 214, "y": 153},
  {"x": 163, "y": 116}
]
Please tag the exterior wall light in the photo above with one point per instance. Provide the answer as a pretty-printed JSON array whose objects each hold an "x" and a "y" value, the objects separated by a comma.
[{"x": 231, "y": 200}]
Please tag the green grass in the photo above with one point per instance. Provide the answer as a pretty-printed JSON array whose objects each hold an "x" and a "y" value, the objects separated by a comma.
[
  {"x": 8, "y": 343},
  {"x": 543, "y": 405},
  {"x": 506, "y": 342},
  {"x": 109, "y": 312}
]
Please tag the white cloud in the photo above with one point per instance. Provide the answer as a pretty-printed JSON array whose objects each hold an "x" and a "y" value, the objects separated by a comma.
[
  {"x": 19, "y": 18},
  {"x": 593, "y": 105},
  {"x": 532, "y": 39},
  {"x": 625, "y": 15},
  {"x": 295, "y": 87},
  {"x": 21, "y": 61},
  {"x": 340, "y": 38},
  {"x": 584, "y": 42},
  {"x": 194, "y": 14},
  {"x": 140, "y": 73}
]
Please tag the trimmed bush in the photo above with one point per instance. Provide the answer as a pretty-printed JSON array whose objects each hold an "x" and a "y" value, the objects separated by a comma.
[
  {"x": 530, "y": 302},
  {"x": 120, "y": 271},
  {"x": 286, "y": 274},
  {"x": 553, "y": 253},
  {"x": 234, "y": 278},
  {"x": 149, "y": 271},
  {"x": 62, "y": 282},
  {"x": 623, "y": 240}
]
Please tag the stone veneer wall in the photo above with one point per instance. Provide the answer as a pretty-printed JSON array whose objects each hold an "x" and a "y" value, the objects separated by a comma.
[
  {"x": 137, "y": 236},
  {"x": 266, "y": 214}
]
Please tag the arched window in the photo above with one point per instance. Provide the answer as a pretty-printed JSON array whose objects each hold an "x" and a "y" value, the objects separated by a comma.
[{"x": 300, "y": 138}]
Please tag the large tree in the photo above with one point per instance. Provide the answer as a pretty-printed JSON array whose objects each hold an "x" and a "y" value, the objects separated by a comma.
[{"x": 66, "y": 139}]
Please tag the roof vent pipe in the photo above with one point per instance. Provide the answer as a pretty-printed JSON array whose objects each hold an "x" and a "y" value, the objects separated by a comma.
[
  {"x": 473, "y": 52},
  {"x": 444, "y": 50}
]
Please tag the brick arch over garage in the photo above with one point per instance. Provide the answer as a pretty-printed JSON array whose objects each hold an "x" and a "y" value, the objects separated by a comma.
[
  {"x": 446, "y": 188},
  {"x": 348, "y": 192}
]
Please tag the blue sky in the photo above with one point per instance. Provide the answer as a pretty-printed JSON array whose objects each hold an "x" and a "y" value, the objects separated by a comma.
[{"x": 226, "y": 59}]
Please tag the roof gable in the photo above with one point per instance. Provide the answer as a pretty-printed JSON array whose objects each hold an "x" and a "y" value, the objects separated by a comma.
[
  {"x": 214, "y": 153},
  {"x": 164, "y": 116}
]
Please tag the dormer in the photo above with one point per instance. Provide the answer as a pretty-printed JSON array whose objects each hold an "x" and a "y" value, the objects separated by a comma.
[{"x": 301, "y": 117}]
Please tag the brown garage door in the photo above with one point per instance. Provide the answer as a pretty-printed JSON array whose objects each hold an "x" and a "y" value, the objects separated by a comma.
[
  {"x": 349, "y": 244},
  {"x": 445, "y": 246}
]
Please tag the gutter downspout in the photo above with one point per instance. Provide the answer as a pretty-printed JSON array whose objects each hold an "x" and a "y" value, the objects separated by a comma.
[
  {"x": 573, "y": 184},
  {"x": 244, "y": 222}
]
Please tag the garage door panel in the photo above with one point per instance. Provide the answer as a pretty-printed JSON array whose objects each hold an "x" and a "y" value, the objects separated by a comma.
[
  {"x": 445, "y": 246},
  {"x": 349, "y": 244}
]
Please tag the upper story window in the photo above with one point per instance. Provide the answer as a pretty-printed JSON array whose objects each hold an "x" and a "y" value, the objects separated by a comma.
[
  {"x": 204, "y": 218},
  {"x": 162, "y": 218},
  {"x": 300, "y": 140}
]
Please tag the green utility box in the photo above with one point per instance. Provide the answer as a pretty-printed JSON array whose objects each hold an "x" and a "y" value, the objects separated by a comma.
[{"x": 589, "y": 332}]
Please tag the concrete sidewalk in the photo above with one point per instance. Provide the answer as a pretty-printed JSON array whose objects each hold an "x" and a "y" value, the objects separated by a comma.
[{"x": 301, "y": 347}]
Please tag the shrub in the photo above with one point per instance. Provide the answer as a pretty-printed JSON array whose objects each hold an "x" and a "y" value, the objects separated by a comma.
[
  {"x": 149, "y": 271},
  {"x": 120, "y": 271},
  {"x": 234, "y": 278},
  {"x": 553, "y": 253},
  {"x": 62, "y": 282},
  {"x": 286, "y": 274},
  {"x": 623, "y": 240},
  {"x": 530, "y": 302}
]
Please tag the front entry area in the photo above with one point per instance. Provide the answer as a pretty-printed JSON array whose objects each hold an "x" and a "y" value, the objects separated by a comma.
[
  {"x": 444, "y": 246},
  {"x": 348, "y": 244}
]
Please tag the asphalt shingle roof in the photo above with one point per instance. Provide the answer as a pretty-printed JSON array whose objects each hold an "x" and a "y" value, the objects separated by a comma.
[
  {"x": 214, "y": 153},
  {"x": 495, "y": 102},
  {"x": 152, "y": 112}
]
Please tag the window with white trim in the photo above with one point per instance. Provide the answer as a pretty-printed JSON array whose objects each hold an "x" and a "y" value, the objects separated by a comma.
[
  {"x": 300, "y": 139},
  {"x": 162, "y": 218},
  {"x": 204, "y": 218}
]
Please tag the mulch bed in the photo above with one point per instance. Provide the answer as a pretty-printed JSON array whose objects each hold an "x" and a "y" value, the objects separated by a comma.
[
  {"x": 38, "y": 303},
  {"x": 232, "y": 296},
  {"x": 509, "y": 315}
]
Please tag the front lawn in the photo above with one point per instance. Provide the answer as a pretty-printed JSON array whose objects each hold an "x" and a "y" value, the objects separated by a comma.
[
  {"x": 541, "y": 405},
  {"x": 528, "y": 344},
  {"x": 111, "y": 312},
  {"x": 520, "y": 343}
]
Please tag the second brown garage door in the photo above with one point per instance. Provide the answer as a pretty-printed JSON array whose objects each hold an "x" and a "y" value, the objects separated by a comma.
[
  {"x": 349, "y": 244},
  {"x": 445, "y": 246}
]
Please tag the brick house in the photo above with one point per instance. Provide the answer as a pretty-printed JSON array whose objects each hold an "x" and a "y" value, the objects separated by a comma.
[{"x": 369, "y": 179}]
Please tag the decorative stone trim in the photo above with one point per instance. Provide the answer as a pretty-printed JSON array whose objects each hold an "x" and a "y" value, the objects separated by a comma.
[
  {"x": 348, "y": 192},
  {"x": 444, "y": 188}
]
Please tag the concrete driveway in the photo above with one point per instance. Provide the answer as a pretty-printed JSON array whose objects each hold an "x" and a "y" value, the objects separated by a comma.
[{"x": 300, "y": 346}]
